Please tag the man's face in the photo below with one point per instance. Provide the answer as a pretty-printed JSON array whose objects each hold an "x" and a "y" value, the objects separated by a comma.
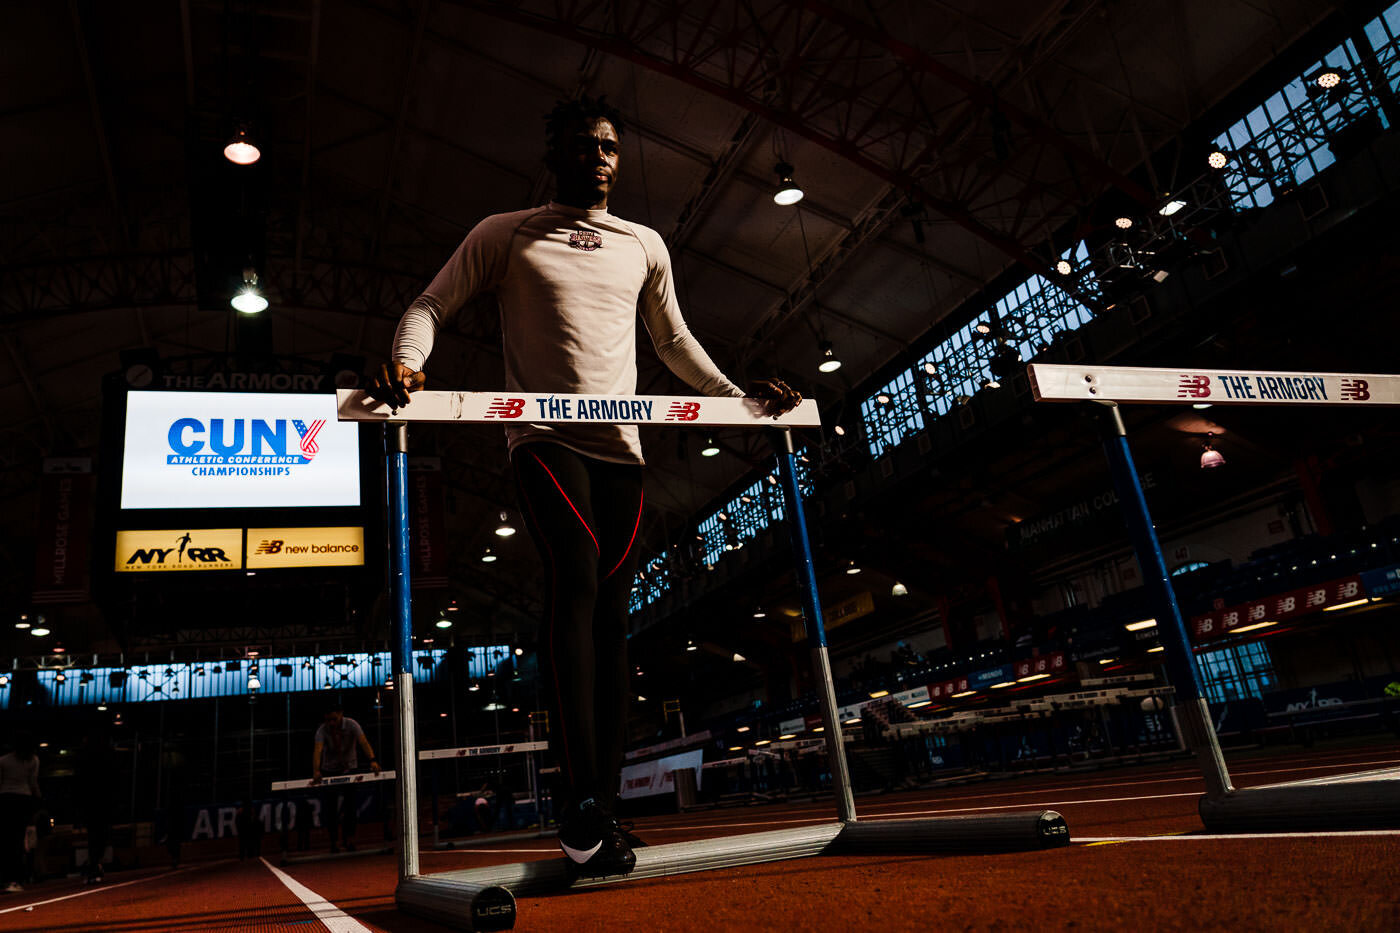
[
  {"x": 585, "y": 164},
  {"x": 334, "y": 717}
]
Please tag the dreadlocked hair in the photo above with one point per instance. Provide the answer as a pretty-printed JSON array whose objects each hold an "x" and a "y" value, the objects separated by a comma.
[{"x": 567, "y": 114}]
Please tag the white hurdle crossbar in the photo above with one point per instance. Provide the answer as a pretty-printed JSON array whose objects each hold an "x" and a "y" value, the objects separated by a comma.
[
  {"x": 1142, "y": 385},
  {"x": 530, "y": 407},
  {"x": 480, "y": 751},
  {"x": 475, "y": 752},
  {"x": 1362, "y": 804},
  {"x": 484, "y": 899},
  {"x": 334, "y": 781}
]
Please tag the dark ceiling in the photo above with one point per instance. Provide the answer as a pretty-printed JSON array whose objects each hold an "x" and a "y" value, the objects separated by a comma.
[{"x": 939, "y": 144}]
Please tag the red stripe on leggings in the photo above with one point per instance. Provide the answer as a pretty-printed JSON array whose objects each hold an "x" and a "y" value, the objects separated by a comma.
[
  {"x": 570, "y": 501},
  {"x": 640, "y": 498}
]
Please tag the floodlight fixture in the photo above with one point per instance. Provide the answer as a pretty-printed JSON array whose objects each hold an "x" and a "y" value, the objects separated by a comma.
[
  {"x": 241, "y": 149},
  {"x": 788, "y": 192},
  {"x": 249, "y": 299}
]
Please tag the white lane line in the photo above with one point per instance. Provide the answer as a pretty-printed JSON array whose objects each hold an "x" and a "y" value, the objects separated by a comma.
[
  {"x": 335, "y": 919},
  {"x": 1321, "y": 834},
  {"x": 1166, "y": 780},
  {"x": 99, "y": 888},
  {"x": 874, "y": 810}
]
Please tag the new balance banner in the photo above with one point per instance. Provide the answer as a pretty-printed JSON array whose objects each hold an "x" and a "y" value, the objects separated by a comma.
[
  {"x": 1262, "y": 613},
  {"x": 306, "y": 547}
]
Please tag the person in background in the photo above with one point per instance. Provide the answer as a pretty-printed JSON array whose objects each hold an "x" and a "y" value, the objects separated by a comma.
[
  {"x": 19, "y": 795},
  {"x": 339, "y": 740},
  {"x": 249, "y": 830},
  {"x": 96, "y": 767}
]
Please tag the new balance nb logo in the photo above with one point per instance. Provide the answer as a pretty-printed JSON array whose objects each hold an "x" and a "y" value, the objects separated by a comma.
[
  {"x": 506, "y": 408},
  {"x": 1193, "y": 387},
  {"x": 1356, "y": 390},
  {"x": 683, "y": 411},
  {"x": 273, "y": 546}
]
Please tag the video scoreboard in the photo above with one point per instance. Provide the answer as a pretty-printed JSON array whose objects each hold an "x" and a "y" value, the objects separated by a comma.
[{"x": 199, "y": 485}]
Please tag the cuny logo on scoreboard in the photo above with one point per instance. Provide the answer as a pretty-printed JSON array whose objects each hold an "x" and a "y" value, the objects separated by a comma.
[{"x": 243, "y": 442}]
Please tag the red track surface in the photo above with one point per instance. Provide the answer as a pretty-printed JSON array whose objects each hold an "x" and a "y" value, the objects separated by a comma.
[{"x": 1349, "y": 882}]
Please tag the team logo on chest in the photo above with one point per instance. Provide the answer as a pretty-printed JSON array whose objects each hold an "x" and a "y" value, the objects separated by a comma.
[{"x": 586, "y": 240}]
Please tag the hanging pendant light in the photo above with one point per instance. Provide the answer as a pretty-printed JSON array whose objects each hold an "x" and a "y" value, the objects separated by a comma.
[{"x": 241, "y": 150}]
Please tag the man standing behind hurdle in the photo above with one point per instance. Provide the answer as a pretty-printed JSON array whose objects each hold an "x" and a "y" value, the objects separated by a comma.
[
  {"x": 570, "y": 280},
  {"x": 339, "y": 740}
]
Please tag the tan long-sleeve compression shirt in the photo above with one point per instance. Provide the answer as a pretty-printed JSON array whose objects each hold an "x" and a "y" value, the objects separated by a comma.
[{"x": 570, "y": 284}]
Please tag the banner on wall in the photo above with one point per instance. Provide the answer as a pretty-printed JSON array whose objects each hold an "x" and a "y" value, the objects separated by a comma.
[
  {"x": 428, "y": 527},
  {"x": 656, "y": 777},
  {"x": 61, "y": 573},
  {"x": 1264, "y": 613},
  {"x": 837, "y": 615}
]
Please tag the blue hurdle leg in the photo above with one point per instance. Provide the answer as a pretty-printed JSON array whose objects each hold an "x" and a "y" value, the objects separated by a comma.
[
  {"x": 1192, "y": 712},
  {"x": 396, "y": 472},
  {"x": 816, "y": 631}
]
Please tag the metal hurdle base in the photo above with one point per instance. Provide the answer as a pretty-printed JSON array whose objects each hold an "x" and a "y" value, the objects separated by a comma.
[
  {"x": 476, "y": 899},
  {"x": 1368, "y": 800}
]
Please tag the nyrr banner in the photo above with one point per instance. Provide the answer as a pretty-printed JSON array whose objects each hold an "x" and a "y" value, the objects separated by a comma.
[
  {"x": 61, "y": 572},
  {"x": 179, "y": 550},
  {"x": 428, "y": 544},
  {"x": 306, "y": 547}
]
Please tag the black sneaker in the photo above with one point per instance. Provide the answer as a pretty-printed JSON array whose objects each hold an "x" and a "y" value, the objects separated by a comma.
[
  {"x": 594, "y": 842},
  {"x": 624, "y": 828}
]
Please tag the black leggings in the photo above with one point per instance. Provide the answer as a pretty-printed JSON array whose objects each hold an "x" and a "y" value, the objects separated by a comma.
[
  {"x": 16, "y": 816},
  {"x": 584, "y": 516}
]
